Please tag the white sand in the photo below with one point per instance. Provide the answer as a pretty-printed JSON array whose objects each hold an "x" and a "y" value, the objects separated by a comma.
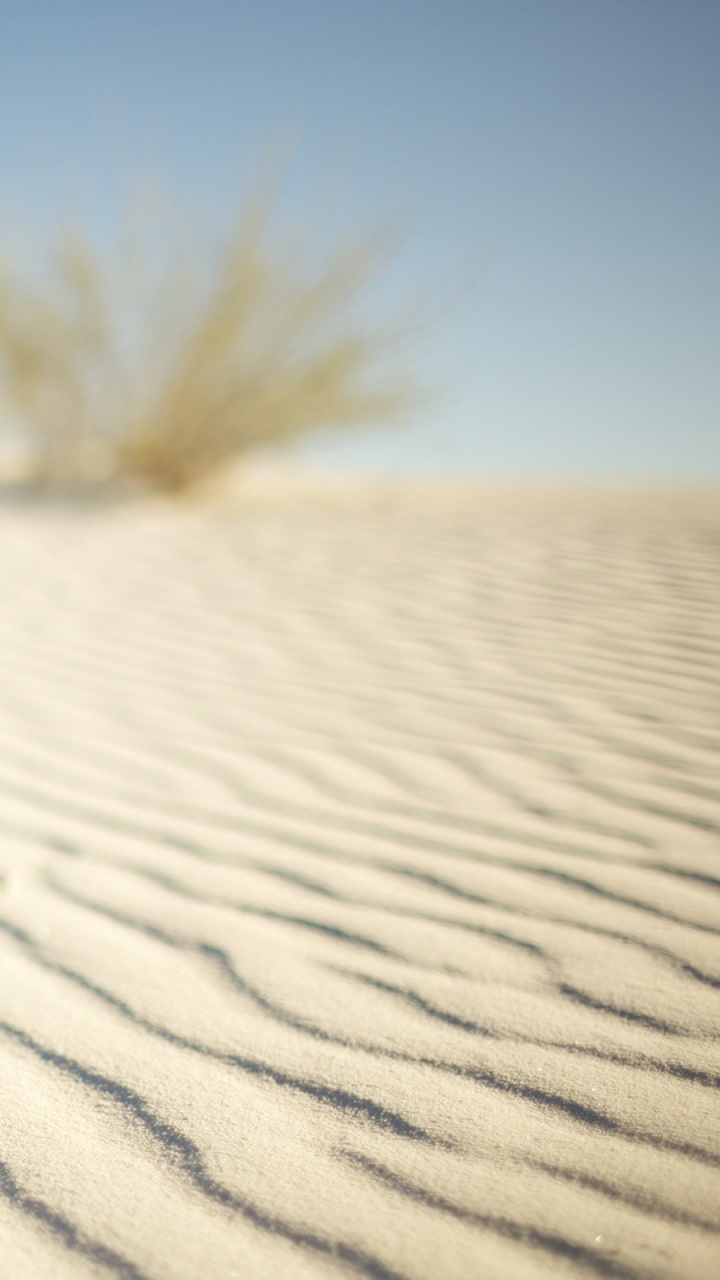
[{"x": 360, "y": 903}]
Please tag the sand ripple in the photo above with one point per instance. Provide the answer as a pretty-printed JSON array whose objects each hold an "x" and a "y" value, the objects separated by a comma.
[{"x": 360, "y": 900}]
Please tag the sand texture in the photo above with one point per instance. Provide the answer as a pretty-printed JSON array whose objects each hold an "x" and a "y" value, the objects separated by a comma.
[{"x": 360, "y": 902}]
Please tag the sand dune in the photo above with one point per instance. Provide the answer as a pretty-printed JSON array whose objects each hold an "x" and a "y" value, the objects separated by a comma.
[{"x": 360, "y": 908}]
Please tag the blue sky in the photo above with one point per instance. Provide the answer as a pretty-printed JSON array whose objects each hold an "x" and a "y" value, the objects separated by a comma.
[{"x": 561, "y": 154}]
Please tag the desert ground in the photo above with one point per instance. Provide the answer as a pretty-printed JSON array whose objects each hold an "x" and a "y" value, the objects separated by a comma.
[{"x": 360, "y": 892}]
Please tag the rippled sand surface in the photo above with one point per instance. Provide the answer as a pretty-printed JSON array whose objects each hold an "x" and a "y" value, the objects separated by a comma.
[{"x": 360, "y": 903}]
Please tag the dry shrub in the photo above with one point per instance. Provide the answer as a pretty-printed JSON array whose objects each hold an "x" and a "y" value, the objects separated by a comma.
[{"x": 199, "y": 361}]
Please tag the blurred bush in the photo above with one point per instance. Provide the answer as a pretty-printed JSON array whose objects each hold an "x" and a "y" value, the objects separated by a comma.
[{"x": 163, "y": 366}]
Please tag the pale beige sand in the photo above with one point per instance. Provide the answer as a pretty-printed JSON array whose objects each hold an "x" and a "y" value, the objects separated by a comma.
[{"x": 360, "y": 904}]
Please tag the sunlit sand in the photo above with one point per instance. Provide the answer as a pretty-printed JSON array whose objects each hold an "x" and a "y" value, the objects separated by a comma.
[{"x": 360, "y": 897}]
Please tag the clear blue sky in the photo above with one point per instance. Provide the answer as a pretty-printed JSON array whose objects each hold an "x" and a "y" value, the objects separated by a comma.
[{"x": 564, "y": 152}]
